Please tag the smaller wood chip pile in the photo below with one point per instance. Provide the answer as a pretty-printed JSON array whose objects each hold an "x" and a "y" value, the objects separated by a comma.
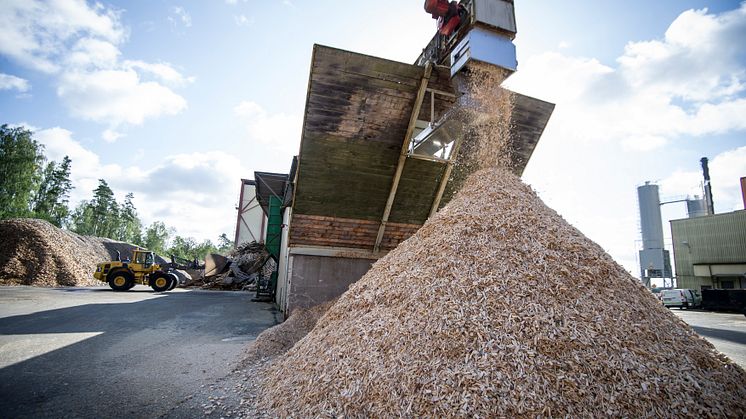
[
  {"x": 278, "y": 339},
  {"x": 34, "y": 252}
]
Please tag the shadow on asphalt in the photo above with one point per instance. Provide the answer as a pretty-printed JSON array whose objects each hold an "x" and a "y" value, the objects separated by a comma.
[
  {"x": 143, "y": 291},
  {"x": 143, "y": 339},
  {"x": 722, "y": 334}
]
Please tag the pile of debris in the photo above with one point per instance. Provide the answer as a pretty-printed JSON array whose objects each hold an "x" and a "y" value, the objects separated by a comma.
[
  {"x": 240, "y": 270},
  {"x": 498, "y": 307},
  {"x": 35, "y": 252}
]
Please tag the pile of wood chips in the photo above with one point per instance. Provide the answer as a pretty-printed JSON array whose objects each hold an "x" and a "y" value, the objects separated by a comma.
[
  {"x": 278, "y": 339},
  {"x": 34, "y": 252},
  {"x": 498, "y": 307}
]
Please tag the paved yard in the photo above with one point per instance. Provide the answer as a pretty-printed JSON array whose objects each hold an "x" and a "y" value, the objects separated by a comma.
[
  {"x": 91, "y": 352},
  {"x": 727, "y": 331}
]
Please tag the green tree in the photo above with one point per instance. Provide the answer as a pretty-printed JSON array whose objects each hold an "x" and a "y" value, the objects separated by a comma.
[
  {"x": 188, "y": 248},
  {"x": 100, "y": 216},
  {"x": 52, "y": 195},
  {"x": 224, "y": 243},
  {"x": 130, "y": 227},
  {"x": 21, "y": 159},
  {"x": 81, "y": 220},
  {"x": 156, "y": 237}
]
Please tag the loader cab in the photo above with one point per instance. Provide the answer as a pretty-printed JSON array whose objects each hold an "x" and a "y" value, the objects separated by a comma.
[{"x": 146, "y": 259}]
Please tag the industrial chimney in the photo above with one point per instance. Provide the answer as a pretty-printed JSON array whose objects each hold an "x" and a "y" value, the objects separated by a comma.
[
  {"x": 708, "y": 188},
  {"x": 743, "y": 191}
]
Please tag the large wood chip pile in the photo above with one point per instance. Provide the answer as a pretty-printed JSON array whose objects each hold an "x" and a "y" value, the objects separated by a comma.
[
  {"x": 497, "y": 307},
  {"x": 34, "y": 252}
]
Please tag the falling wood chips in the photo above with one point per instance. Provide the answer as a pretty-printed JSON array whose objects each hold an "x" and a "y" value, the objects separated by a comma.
[
  {"x": 34, "y": 252},
  {"x": 499, "y": 307}
]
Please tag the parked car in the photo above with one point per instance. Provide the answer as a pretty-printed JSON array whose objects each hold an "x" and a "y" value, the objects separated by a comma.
[{"x": 681, "y": 298}]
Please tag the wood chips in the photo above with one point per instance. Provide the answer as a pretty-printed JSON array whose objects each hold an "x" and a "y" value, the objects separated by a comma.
[
  {"x": 497, "y": 307},
  {"x": 278, "y": 339},
  {"x": 34, "y": 252}
]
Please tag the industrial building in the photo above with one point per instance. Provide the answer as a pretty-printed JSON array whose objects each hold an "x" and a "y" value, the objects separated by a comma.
[{"x": 710, "y": 252}]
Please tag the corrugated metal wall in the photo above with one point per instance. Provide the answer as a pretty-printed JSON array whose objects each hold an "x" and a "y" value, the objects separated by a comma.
[{"x": 717, "y": 239}]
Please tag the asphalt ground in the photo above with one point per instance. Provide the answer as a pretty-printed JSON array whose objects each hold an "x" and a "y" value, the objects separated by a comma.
[
  {"x": 92, "y": 352},
  {"x": 726, "y": 331}
]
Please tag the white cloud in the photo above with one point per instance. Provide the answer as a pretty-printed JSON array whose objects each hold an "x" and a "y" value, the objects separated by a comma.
[
  {"x": 690, "y": 83},
  {"x": 93, "y": 53},
  {"x": 37, "y": 33},
  {"x": 117, "y": 97},
  {"x": 110, "y": 136},
  {"x": 79, "y": 44},
  {"x": 194, "y": 193},
  {"x": 243, "y": 20},
  {"x": 165, "y": 72},
  {"x": 178, "y": 14},
  {"x": 700, "y": 58},
  {"x": 280, "y": 130},
  {"x": 644, "y": 143},
  {"x": 10, "y": 82}
]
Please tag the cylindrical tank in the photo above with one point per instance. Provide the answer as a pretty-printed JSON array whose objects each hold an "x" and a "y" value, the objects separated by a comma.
[
  {"x": 696, "y": 207},
  {"x": 650, "y": 216}
]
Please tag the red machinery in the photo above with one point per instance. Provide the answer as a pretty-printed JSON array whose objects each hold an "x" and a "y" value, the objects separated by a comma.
[{"x": 449, "y": 14}]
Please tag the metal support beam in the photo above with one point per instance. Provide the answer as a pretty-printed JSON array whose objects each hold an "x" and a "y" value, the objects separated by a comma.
[
  {"x": 446, "y": 175},
  {"x": 403, "y": 154},
  {"x": 337, "y": 252},
  {"x": 428, "y": 158},
  {"x": 441, "y": 92}
]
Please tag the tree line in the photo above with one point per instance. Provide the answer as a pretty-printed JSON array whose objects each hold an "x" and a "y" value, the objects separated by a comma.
[{"x": 33, "y": 187}]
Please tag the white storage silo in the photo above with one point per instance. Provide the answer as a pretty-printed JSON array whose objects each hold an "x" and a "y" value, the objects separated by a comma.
[{"x": 651, "y": 222}]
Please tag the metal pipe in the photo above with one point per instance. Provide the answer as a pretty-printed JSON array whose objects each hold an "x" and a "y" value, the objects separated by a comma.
[{"x": 427, "y": 158}]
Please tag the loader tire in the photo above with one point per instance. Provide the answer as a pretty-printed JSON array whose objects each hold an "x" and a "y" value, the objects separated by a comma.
[
  {"x": 121, "y": 280},
  {"x": 160, "y": 282},
  {"x": 174, "y": 281}
]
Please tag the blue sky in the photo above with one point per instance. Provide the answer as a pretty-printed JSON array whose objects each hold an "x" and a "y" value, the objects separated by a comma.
[{"x": 177, "y": 100}]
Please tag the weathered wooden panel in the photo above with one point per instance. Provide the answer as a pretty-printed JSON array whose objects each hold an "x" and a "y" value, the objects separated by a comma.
[
  {"x": 357, "y": 112},
  {"x": 529, "y": 118},
  {"x": 417, "y": 188},
  {"x": 310, "y": 230}
]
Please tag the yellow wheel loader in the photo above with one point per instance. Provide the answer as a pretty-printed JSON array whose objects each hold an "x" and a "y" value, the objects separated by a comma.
[{"x": 141, "y": 269}]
